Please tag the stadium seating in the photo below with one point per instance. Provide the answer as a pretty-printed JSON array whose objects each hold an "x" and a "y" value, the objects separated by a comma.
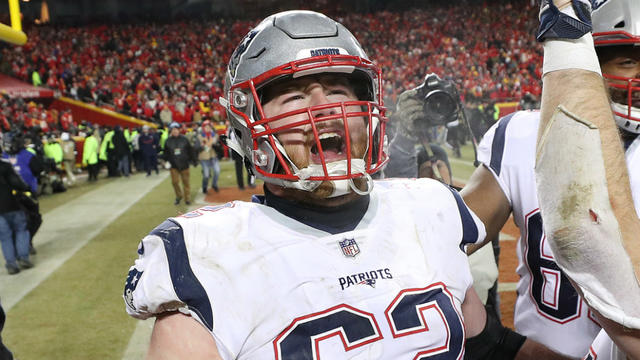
[{"x": 174, "y": 72}]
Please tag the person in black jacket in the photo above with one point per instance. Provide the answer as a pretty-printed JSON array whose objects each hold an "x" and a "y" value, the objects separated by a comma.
[
  {"x": 14, "y": 236},
  {"x": 121, "y": 151},
  {"x": 179, "y": 154}
]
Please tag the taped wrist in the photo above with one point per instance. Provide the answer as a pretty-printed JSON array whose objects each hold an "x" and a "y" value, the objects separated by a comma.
[
  {"x": 495, "y": 342},
  {"x": 562, "y": 54}
]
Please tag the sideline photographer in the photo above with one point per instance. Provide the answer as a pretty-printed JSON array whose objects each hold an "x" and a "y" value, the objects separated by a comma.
[
  {"x": 419, "y": 111},
  {"x": 435, "y": 103}
]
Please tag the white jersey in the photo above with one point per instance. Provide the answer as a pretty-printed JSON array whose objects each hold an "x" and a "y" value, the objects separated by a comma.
[
  {"x": 547, "y": 309},
  {"x": 269, "y": 287}
]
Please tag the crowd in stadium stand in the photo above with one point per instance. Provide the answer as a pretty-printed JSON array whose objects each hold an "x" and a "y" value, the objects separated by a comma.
[
  {"x": 175, "y": 72},
  {"x": 21, "y": 113},
  {"x": 464, "y": 43}
]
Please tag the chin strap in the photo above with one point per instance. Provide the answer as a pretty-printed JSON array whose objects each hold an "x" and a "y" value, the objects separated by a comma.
[
  {"x": 369, "y": 185},
  {"x": 336, "y": 168}
]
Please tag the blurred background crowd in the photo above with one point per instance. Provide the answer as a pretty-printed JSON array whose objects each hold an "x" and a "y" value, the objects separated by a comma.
[
  {"x": 165, "y": 72},
  {"x": 171, "y": 70},
  {"x": 175, "y": 71}
]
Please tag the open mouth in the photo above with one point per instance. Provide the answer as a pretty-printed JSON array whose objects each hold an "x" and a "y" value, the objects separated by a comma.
[{"x": 333, "y": 147}]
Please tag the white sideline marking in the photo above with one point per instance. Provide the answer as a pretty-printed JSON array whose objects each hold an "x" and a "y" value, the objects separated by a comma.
[{"x": 68, "y": 227}]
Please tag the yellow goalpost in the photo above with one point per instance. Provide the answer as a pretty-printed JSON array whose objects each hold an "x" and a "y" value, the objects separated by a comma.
[{"x": 13, "y": 34}]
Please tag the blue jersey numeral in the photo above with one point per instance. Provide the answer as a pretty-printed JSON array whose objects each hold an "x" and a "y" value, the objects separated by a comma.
[
  {"x": 405, "y": 316},
  {"x": 554, "y": 296}
]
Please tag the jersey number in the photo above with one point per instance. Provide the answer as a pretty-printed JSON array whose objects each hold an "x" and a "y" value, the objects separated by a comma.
[
  {"x": 551, "y": 290},
  {"x": 405, "y": 316}
]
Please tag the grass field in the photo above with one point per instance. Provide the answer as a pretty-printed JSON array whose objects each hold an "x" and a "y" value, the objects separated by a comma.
[{"x": 77, "y": 311}]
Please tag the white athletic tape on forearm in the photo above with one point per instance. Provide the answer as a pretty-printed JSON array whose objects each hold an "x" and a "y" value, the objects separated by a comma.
[
  {"x": 570, "y": 54},
  {"x": 579, "y": 223}
]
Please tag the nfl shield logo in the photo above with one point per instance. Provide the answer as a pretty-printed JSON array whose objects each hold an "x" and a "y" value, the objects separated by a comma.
[{"x": 349, "y": 247}]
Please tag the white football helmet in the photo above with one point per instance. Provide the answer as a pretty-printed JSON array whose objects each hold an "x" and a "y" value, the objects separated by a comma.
[
  {"x": 293, "y": 44},
  {"x": 615, "y": 23}
]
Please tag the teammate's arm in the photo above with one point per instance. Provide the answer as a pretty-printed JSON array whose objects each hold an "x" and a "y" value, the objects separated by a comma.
[
  {"x": 580, "y": 89},
  {"x": 583, "y": 93},
  {"x": 488, "y": 339},
  {"x": 178, "y": 336},
  {"x": 591, "y": 103},
  {"x": 485, "y": 197}
]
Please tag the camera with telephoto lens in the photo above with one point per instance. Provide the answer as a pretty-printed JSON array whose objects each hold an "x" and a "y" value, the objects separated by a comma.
[{"x": 441, "y": 100}]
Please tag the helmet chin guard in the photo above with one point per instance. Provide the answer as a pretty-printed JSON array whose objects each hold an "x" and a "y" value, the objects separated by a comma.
[{"x": 291, "y": 45}]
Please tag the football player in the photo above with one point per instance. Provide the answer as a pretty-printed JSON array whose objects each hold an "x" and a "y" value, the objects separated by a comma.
[
  {"x": 548, "y": 309},
  {"x": 325, "y": 263}
]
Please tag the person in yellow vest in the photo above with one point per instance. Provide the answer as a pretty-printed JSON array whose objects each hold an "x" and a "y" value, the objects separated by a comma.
[
  {"x": 90, "y": 155},
  {"x": 53, "y": 150},
  {"x": 35, "y": 78},
  {"x": 164, "y": 135},
  {"x": 106, "y": 153},
  {"x": 46, "y": 147}
]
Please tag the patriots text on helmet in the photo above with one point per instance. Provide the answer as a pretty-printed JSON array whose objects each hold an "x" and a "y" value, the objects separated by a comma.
[{"x": 322, "y": 52}]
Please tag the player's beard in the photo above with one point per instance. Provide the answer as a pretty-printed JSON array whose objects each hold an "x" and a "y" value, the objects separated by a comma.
[
  {"x": 621, "y": 96},
  {"x": 300, "y": 154}
]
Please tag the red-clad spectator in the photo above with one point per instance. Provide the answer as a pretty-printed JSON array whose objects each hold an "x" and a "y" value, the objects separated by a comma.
[
  {"x": 66, "y": 120},
  {"x": 4, "y": 123}
]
